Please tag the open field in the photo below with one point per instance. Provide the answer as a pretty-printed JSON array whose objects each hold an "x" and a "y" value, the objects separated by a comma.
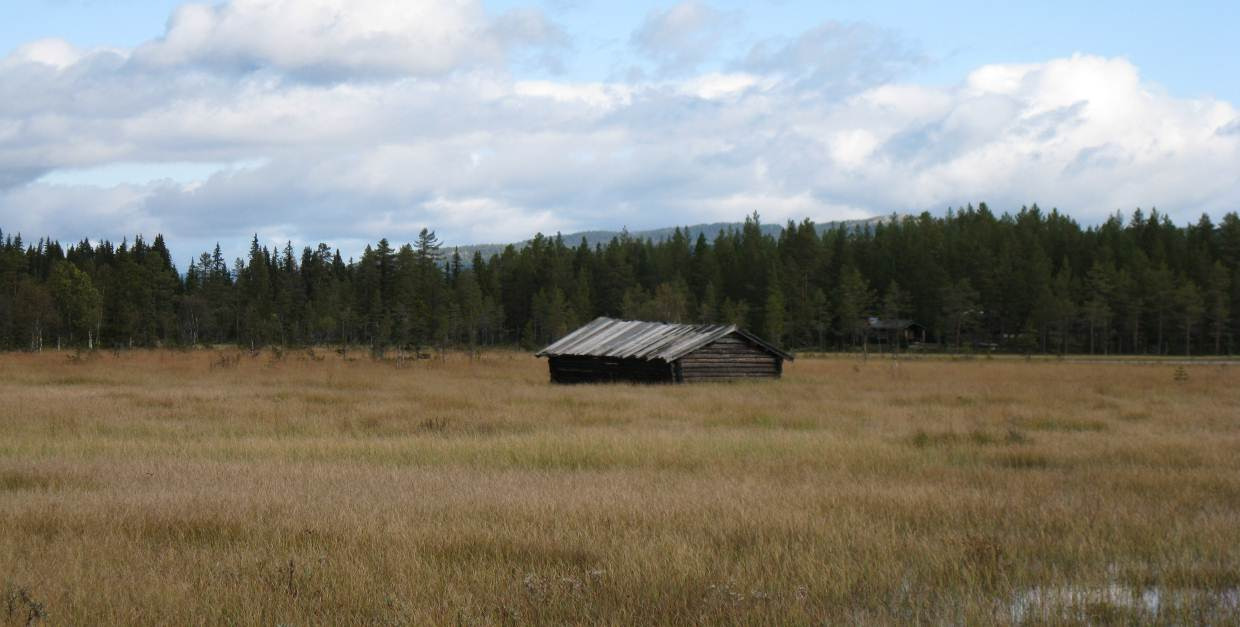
[
  {"x": 173, "y": 488},
  {"x": 1123, "y": 358}
]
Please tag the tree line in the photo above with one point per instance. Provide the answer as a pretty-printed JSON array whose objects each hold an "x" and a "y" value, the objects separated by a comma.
[{"x": 1029, "y": 281}]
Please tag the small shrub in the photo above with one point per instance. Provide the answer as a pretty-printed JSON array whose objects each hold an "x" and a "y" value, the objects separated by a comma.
[
  {"x": 979, "y": 437},
  {"x": 1105, "y": 612},
  {"x": 985, "y": 554},
  {"x": 761, "y": 420},
  {"x": 223, "y": 361},
  {"x": 81, "y": 356},
  {"x": 21, "y": 607},
  {"x": 976, "y": 437},
  {"x": 434, "y": 424},
  {"x": 922, "y": 439},
  {"x": 1066, "y": 425},
  {"x": 15, "y": 481},
  {"x": 1016, "y": 437},
  {"x": 1023, "y": 461}
]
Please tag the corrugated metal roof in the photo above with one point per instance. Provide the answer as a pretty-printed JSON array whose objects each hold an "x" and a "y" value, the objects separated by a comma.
[{"x": 631, "y": 339}]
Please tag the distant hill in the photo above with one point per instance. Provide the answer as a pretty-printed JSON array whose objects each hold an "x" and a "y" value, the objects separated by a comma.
[{"x": 594, "y": 238}]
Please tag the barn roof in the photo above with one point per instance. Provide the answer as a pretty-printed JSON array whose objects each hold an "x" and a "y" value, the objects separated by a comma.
[
  {"x": 890, "y": 324},
  {"x": 631, "y": 339}
]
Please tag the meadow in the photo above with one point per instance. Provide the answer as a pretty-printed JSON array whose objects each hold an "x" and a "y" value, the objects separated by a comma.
[{"x": 302, "y": 487}]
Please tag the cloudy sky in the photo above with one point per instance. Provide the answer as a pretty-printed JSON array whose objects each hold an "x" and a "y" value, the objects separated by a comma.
[{"x": 349, "y": 120}]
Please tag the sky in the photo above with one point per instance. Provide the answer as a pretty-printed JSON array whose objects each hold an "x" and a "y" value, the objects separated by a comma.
[{"x": 344, "y": 121}]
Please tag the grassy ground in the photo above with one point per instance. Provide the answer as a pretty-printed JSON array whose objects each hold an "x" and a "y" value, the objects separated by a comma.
[
  {"x": 966, "y": 355},
  {"x": 172, "y": 488}
]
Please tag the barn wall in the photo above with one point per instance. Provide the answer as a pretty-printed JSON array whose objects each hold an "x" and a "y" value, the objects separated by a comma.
[
  {"x": 606, "y": 370},
  {"x": 730, "y": 357}
]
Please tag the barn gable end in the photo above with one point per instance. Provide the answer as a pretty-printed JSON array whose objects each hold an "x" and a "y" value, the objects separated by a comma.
[{"x": 730, "y": 357}]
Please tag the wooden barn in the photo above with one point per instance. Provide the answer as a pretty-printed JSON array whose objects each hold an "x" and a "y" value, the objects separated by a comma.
[
  {"x": 894, "y": 332},
  {"x": 608, "y": 350}
]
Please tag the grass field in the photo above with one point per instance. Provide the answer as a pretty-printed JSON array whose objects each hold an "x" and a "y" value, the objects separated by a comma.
[{"x": 191, "y": 487}]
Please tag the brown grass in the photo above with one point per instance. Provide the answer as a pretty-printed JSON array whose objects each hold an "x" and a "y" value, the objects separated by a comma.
[{"x": 175, "y": 488}]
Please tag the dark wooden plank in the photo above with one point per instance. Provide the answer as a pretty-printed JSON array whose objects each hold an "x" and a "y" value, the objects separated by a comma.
[{"x": 728, "y": 358}]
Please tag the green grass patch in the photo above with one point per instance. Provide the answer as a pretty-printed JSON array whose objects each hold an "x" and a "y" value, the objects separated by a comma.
[
  {"x": 763, "y": 420},
  {"x": 1064, "y": 425},
  {"x": 975, "y": 437},
  {"x": 23, "y": 481},
  {"x": 1022, "y": 460}
]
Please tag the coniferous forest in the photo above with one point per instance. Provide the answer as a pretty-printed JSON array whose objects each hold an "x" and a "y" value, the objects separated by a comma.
[{"x": 1027, "y": 282}]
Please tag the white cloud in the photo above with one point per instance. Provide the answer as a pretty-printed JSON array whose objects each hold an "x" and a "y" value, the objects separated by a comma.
[
  {"x": 835, "y": 58},
  {"x": 336, "y": 39},
  {"x": 682, "y": 37},
  {"x": 52, "y": 52},
  {"x": 40, "y": 209},
  {"x": 1084, "y": 133},
  {"x": 818, "y": 125},
  {"x": 723, "y": 85}
]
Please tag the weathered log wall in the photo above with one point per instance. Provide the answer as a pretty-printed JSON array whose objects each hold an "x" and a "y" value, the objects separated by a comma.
[
  {"x": 730, "y": 357},
  {"x": 567, "y": 369}
]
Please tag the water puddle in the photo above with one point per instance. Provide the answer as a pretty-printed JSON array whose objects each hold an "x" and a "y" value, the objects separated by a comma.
[{"x": 1115, "y": 601}]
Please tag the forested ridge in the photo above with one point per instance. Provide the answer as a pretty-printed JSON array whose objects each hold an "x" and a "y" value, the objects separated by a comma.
[{"x": 1029, "y": 281}]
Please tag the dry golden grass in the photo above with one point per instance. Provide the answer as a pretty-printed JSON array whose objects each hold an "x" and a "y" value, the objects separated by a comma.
[{"x": 174, "y": 488}]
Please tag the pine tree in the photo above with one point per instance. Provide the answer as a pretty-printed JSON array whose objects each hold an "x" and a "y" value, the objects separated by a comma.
[
  {"x": 470, "y": 304},
  {"x": 708, "y": 305},
  {"x": 1160, "y": 288},
  {"x": 773, "y": 313},
  {"x": 77, "y": 302},
  {"x": 960, "y": 307},
  {"x": 853, "y": 301},
  {"x": 1190, "y": 307},
  {"x": 35, "y": 312},
  {"x": 1219, "y": 307}
]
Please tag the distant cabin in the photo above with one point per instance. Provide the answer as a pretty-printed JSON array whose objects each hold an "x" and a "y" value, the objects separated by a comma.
[
  {"x": 893, "y": 331},
  {"x": 608, "y": 350}
]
